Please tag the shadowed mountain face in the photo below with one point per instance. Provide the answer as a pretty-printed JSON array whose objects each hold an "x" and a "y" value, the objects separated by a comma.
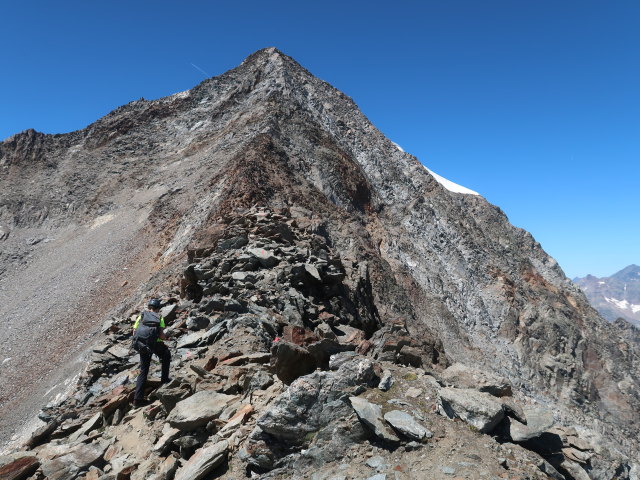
[
  {"x": 617, "y": 296},
  {"x": 138, "y": 187}
]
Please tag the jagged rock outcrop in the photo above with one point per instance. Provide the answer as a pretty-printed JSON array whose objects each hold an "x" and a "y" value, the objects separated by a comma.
[{"x": 358, "y": 252}]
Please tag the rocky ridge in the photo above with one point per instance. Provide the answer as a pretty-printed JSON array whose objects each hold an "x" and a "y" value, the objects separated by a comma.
[
  {"x": 145, "y": 184},
  {"x": 282, "y": 369}
]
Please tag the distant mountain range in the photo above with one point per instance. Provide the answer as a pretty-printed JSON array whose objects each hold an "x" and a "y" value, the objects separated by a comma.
[{"x": 615, "y": 296}]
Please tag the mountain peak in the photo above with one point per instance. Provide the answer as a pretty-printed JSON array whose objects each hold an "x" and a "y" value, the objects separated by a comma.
[
  {"x": 631, "y": 272},
  {"x": 351, "y": 240}
]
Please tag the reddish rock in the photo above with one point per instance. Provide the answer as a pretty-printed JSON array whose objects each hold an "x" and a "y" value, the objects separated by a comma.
[
  {"x": 228, "y": 355},
  {"x": 291, "y": 361},
  {"x": 20, "y": 468},
  {"x": 363, "y": 347},
  {"x": 114, "y": 400},
  {"x": 299, "y": 335},
  {"x": 393, "y": 343}
]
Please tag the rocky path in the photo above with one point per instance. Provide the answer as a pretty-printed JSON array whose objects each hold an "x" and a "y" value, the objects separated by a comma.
[{"x": 281, "y": 370}]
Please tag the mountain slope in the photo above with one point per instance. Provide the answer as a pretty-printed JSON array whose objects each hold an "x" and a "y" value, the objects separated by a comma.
[
  {"x": 617, "y": 296},
  {"x": 157, "y": 175}
]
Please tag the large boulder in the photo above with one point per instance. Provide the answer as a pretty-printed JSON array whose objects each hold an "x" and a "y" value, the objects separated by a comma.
[
  {"x": 313, "y": 401},
  {"x": 478, "y": 409},
  {"x": 463, "y": 376},
  {"x": 539, "y": 420},
  {"x": 199, "y": 409}
]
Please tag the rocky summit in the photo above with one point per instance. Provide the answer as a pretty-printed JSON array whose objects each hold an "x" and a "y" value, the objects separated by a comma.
[{"x": 334, "y": 310}]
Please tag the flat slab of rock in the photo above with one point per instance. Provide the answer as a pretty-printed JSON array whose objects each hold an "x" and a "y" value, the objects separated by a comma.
[
  {"x": 203, "y": 462},
  {"x": 406, "y": 425},
  {"x": 91, "y": 424},
  {"x": 18, "y": 466},
  {"x": 539, "y": 420},
  {"x": 478, "y": 409},
  {"x": 191, "y": 340},
  {"x": 169, "y": 434},
  {"x": 199, "y": 409},
  {"x": 371, "y": 415},
  {"x": 463, "y": 376},
  {"x": 70, "y": 464}
]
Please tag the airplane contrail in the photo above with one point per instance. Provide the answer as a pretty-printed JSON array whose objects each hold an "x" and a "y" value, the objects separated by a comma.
[{"x": 200, "y": 70}]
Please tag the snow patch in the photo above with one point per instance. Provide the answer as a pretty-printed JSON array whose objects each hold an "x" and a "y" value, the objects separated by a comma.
[
  {"x": 623, "y": 304},
  {"x": 400, "y": 148},
  {"x": 449, "y": 185},
  {"x": 601, "y": 283}
]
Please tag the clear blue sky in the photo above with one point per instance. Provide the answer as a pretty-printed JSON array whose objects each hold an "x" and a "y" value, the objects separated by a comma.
[{"x": 533, "y": 103}]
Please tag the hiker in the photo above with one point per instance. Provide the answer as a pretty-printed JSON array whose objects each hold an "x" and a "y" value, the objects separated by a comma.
[{"x": 148, "y": 336}]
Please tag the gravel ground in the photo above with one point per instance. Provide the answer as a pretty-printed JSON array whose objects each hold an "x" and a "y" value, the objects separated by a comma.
[{"x": 51, "y": 308}]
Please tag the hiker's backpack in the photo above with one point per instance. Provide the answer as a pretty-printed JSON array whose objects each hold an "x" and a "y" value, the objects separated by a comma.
[{"x": 147, "y": 333}]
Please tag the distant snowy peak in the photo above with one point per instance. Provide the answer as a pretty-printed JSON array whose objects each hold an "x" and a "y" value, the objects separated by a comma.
[
  {"x": 448, "y": 184},
  {"x": 615, "y": 296}
]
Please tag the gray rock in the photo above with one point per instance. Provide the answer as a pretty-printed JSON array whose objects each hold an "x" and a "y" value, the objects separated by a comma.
[
  {"x": 539, "y": 420},
  {"x": 406, "y": 425},
  {"x": 339, "y": 359},
  {"x": 324, "y": 331},
  {"x": 91, "y": 424},
  {"x": 259, "y": 380},
  {"x": 266, "y": 258},
  {"x": 233, "y": 243},
  {"x": 191, "y": 340},
  {"x": 463, "y": 376},
  {"x": 448, "y": 470},
  {"x": 478, "y": 409},
  {"x": 379, "y": 476},
  {"x": 172, "y": 393},
  {"x": 203, "y": 462},
  {"x": 371, "y": 415},
  {"x": 78, "y": 458},
  {"x": 169, "y": 312},
  {"x": 312, "y": 272},
  {"x": 198, "y": 323},
  {"x": 411, "y": 446},
  {"x": 169, "y": 434},
  {"x": 376, "y": 463},
  {"x": 197, "y": 410},
  {"x": 244, "y": 277},
  {"x": 386, "y": 381},
  {"x": 513, "y": 410},
  {"x": 314, "y": 401}
]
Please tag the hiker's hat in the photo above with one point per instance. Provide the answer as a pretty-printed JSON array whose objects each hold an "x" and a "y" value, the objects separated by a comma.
[{"x": 154, "y": 303}]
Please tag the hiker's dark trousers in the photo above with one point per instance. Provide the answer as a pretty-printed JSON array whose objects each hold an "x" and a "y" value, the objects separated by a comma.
[{"x": 164, "y": 355}]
